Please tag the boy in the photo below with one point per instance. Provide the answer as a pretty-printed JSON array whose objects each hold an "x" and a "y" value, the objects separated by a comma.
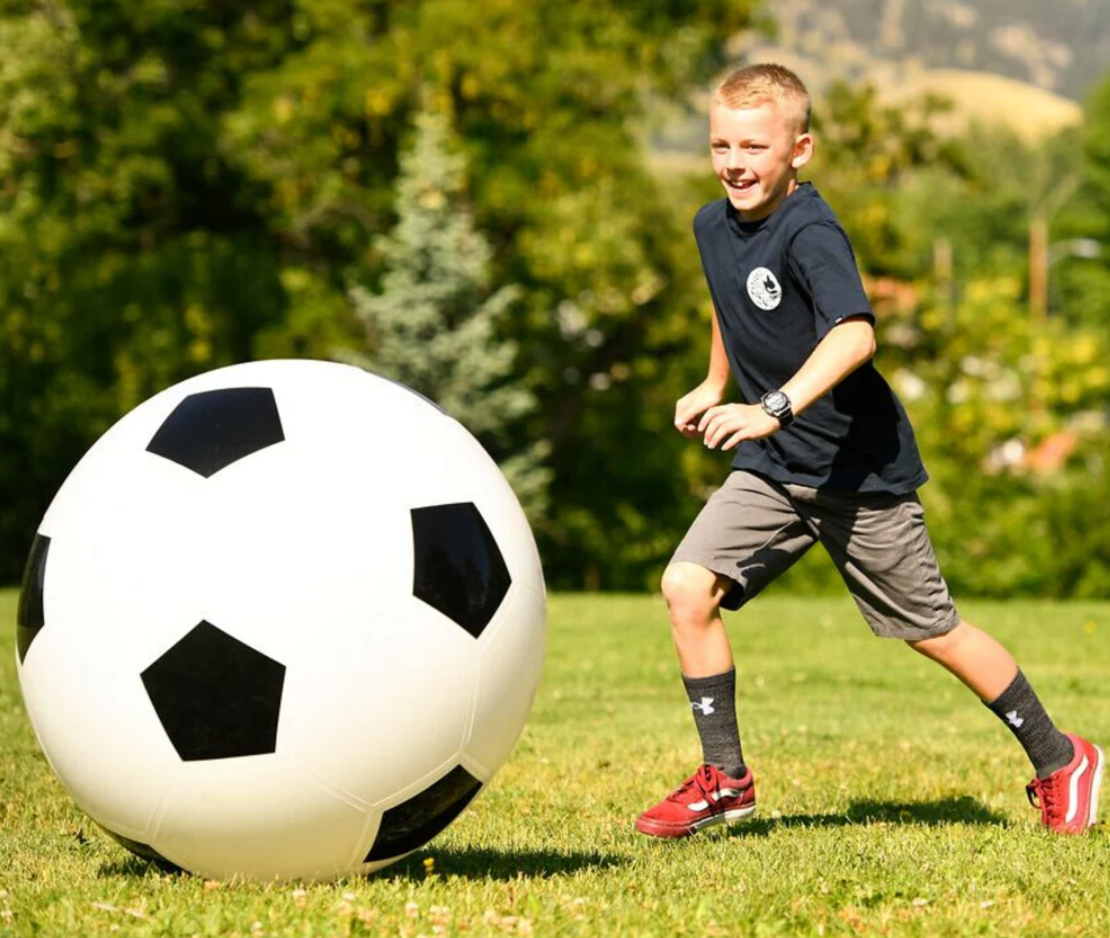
[{"x": 824, "y": 453}]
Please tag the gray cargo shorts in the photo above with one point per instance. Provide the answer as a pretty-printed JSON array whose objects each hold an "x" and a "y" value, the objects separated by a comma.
[{"x": 753, "y": 529}]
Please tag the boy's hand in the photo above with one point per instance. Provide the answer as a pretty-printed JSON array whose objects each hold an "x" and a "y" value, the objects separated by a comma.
[
  {"x": 691, "y": 406},
  {"x": 730, "y": 424}
]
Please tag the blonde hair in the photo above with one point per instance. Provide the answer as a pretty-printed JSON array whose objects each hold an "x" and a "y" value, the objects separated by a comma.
[{"x": 767, "y": 83}]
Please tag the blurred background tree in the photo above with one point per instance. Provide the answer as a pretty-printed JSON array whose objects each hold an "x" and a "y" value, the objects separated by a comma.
[
  {"x": 436, "y": 325},
  {"x": 132, "y": 253},
  {"x": 186, "y": 185},
  {"x": 1079, "y": 285},
  {"x": 189, "y": 185}
]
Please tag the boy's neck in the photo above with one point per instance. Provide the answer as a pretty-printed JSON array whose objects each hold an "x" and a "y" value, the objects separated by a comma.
[
  {"x": 766, "y": 212},
  {"x": 749, "y": 222}
]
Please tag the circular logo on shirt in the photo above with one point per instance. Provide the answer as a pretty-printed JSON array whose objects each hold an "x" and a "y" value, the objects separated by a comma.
[{"x": 764, "y": 289}]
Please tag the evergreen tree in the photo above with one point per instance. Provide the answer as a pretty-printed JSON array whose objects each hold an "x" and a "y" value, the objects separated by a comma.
[{"x": 433, "y": 324}]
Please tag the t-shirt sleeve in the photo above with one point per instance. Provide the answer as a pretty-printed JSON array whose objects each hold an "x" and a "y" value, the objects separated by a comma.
[{"x": 821, "y": 258}]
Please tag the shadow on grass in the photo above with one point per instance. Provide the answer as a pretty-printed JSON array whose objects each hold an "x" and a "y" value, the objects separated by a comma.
[
  {"x": 472, "y": 864},
  {"x": 961, "y": 810},
  {"x": 138, "y": 868},
  {"x": 498, "y": 864}
]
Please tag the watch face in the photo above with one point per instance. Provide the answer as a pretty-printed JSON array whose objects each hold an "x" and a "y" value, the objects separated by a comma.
[{"x": 776, "y": 400}]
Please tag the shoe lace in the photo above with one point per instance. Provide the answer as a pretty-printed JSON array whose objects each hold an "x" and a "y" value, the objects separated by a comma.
[
  {"x": 1046, "y": 794},
  {"x": 705, "y": 780}
]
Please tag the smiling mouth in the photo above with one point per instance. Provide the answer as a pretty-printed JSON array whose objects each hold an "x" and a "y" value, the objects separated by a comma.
[{"x": 740, "y": 185}]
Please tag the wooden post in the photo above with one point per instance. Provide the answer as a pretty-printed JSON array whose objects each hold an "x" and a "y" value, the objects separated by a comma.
[
  {"x": 943, "y": 275},
  {"x": 1038, "y": 268}
]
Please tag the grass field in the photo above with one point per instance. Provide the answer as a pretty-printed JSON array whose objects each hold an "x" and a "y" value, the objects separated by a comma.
[{"x": 890, "y": 802}]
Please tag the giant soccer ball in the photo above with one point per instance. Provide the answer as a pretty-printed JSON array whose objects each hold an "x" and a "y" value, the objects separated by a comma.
[{"x": 283, "y": 620}]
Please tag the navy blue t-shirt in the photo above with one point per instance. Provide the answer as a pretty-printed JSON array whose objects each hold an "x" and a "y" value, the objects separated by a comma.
[{"x": 779, "y": 286}]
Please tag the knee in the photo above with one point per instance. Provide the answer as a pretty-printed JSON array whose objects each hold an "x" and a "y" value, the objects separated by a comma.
[
  {"x": 692, "y": 592},
  {"x": 940, "y": 647}
]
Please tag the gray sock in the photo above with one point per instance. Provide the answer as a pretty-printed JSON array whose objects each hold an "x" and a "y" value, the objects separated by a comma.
[
  {"x": 1021, "y": 710},
  {"x": 713, "y": 700}
]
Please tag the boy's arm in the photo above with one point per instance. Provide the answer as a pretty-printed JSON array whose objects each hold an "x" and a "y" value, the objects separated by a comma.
[
  {"x": 846, "y": 347},
  {"x": 710, "y": 392},
  {"x": 718, "y": 360}
]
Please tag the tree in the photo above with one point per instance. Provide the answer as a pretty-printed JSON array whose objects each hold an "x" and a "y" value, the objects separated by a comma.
[
  {"x": 132, "y": 254},
  {"x": 189, "y": 184},
  {"x": 1008, "y": 413},
  {"x": 435, "y": 325},
  {"x": 547, "y": 99},
  {"x": 1080, "y": 281}
]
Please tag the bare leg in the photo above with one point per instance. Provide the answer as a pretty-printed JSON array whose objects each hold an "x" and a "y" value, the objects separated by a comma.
[
  {"x": 694, "y": 596},
  {"x": 974, "y": 657}
]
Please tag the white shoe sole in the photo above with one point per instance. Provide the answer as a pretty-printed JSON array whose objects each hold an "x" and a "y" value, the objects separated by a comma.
[
  {"x": 737, "y": 814},
  {"x": 1096, "y": 785}
]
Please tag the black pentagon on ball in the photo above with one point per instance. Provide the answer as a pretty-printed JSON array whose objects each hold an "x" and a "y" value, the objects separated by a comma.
[
  {"x": 217, "y": 698},
  {"x": 209, "y": 431},
  {"x": 29, "y": 618},
  {"x": 414, "y": 822},
  {"x": 457, "y": 565}
]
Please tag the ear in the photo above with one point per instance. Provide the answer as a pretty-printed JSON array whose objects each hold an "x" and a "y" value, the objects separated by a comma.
[{"x": 803, "y": 150}]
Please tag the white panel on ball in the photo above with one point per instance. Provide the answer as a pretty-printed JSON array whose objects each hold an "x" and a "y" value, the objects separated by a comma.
[
  {"x": 508, "y": 674},
  {"x": 269, "y": 616},
  {"x": 294, "y": 828},
  {"x": 406, "y": 698}
]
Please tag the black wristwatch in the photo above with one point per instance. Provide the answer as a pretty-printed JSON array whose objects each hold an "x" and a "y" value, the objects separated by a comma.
[{"x": 778, "y": 405}]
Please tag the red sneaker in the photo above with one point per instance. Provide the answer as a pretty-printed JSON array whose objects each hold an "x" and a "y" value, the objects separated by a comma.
[
  {"x": 1068, "y": 798},
  {"x": 706, "y": 797}
]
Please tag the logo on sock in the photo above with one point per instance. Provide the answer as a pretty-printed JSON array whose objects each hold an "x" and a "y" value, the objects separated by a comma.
[
  {"x": 1013, "y": 719},
  {"x": 706, "y": 706}
]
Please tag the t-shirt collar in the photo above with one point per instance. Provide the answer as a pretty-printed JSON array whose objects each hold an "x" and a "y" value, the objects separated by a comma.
[{"x": 803, "y": 191}]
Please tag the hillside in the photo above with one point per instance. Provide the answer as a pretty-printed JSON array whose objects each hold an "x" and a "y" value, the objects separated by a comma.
[
  {"x": 1031, "y": 112},
  {"x": 1061, "y": 47},
  {"x": 1019, "y": 63}
]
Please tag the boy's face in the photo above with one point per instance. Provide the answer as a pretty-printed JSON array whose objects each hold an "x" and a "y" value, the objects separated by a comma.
[{"x": 756, "y": 154}]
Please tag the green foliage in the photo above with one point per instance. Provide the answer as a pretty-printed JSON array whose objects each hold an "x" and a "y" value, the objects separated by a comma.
[
  {"x": 1097, "y": 143},
  {"x": 185, "y": 185},
  {"x": 131, "y": 252},
  {"x": 1081, "y": 285},
  {"x": 991, "y": 393},
  {"x": 435, "y": 326},
  {"x": 1009, "y": 415},
  {"x": 558, "y": 185},
  {"x": 866, "y": 154},
  {"x": 189, "y": 186}
]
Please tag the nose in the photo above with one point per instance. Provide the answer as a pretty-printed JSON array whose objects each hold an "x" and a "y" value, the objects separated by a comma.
[{"x": 735, "y": 160}]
